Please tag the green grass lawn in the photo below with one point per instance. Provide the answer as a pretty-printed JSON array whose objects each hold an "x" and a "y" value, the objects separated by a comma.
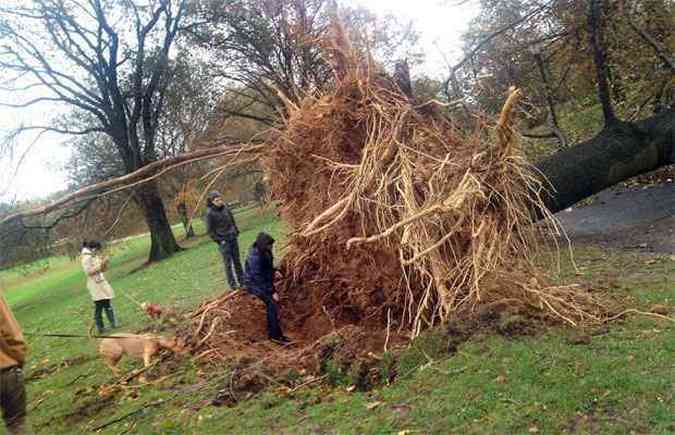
[
  {"x": 622, "y": 381},
  {"x": 57, "y": 301}
]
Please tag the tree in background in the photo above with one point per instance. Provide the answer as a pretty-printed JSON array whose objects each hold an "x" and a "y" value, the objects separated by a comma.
[
  {"x": 108, "y": 61},
  {"x": 271, "y": 51},
  {"x": 546, "y": 48},
  {"x": 185, "y": 202},
  {"x": 19, "y": 245},
  {"x": 190, "y": 101}
]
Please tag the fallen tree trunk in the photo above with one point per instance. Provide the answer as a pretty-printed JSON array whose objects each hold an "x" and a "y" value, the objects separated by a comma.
[{"x": 619, "y": 152}]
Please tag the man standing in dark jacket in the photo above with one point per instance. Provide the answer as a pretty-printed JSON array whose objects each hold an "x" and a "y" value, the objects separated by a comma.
[
  {"x": 260, "y": 282},
  {"x": 223, "y": 230}
]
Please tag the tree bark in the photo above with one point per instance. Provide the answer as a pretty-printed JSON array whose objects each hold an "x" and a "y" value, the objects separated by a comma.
[
  {"x": 162, "y": 241},
  {"x": 620, "y": 151}
]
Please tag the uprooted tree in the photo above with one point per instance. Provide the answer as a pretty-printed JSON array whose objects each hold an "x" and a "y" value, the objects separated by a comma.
[
  {"x": 403, "y": 215},
  {"x": 403, "y": 218},
  {"x": 400, "y": 210},
  {"x": 83, "y": 55}
]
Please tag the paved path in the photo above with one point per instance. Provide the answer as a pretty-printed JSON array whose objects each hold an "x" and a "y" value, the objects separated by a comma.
[{"x": 642, "y": 218}]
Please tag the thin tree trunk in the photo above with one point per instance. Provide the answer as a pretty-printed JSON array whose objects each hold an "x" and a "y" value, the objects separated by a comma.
[
  {"x": 163, "y": 243},
  {"x": 187, "y": 226},
  {"x": 596, "y": 23},
  {"x": 185, "y": 220}
]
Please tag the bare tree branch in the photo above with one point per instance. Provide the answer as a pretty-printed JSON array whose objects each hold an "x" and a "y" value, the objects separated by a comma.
[
  {"x": 143, "y": 175},
  {"x": 267, "y": 121},
  {"x": 486, "y": 40},
  {"x": 64, "y": 216},
  {"x": 660, "y": 50},
  {"x": 120, "y": 212},
  {"x": 32, "y": 102},
  {"x": 63, "y": 130}
]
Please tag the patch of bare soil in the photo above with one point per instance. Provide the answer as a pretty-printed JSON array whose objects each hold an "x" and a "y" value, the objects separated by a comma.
[{"x": 232, "y": 329}]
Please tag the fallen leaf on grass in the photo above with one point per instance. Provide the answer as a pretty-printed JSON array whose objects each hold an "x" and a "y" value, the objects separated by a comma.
[
  {"x": 660, "y": 309},
  {"x": 401, "y": 410},
  {"x": 373, "y": 405},
  {"x": 579, "y": 339}
]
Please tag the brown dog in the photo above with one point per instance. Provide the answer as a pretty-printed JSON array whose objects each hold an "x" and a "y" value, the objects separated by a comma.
[
  {"x": 136, "y": 346},
  {"x": 155, "y": 311}
]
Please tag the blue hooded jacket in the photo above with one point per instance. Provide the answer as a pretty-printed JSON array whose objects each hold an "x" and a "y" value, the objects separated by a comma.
[{"x": 259, "y": 269}]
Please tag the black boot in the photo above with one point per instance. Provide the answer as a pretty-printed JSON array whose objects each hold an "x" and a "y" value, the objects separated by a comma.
[
  {"x": 110, "y": 314},
  {"x": 282, "y": 340}
]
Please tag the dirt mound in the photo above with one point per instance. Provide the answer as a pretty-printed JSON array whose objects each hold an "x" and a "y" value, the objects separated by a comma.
[
  {"x": 232, "y": 328},
  {"x": 229, "y": 328}
]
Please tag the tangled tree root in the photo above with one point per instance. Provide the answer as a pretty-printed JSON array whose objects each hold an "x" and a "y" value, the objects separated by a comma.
[{"x": 401, "y": 212}]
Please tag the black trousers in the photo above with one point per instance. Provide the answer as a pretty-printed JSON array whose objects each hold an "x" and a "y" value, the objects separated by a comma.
[
  {"x": 99, "y": 306},
  {"x": 229, "y": 249},
  {"x": 13, "y": 400},
  {"x": 273, "y": 325}
]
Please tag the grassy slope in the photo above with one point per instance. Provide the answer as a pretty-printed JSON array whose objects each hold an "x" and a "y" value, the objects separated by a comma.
[
  {"x": 622, "y": 381},
  {"x": 57, "y": 301}
]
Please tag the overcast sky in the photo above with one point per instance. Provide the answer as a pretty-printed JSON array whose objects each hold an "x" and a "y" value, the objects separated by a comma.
[{"x": 439, "y": 23}]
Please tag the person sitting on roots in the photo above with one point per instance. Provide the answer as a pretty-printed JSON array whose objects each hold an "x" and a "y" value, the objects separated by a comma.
[
  {"x": 260, "y": 282},
  {"x": 223, "y": 230},
  {"x": 100, "y": 290},
  {"x": 12, "y": 358}
]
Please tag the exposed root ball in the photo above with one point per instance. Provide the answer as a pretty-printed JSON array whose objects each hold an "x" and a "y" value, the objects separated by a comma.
[{"x": 401, "y": 214}]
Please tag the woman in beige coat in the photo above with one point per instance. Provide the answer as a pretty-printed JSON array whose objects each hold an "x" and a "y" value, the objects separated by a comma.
[{"x": 99, "y": 288}]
